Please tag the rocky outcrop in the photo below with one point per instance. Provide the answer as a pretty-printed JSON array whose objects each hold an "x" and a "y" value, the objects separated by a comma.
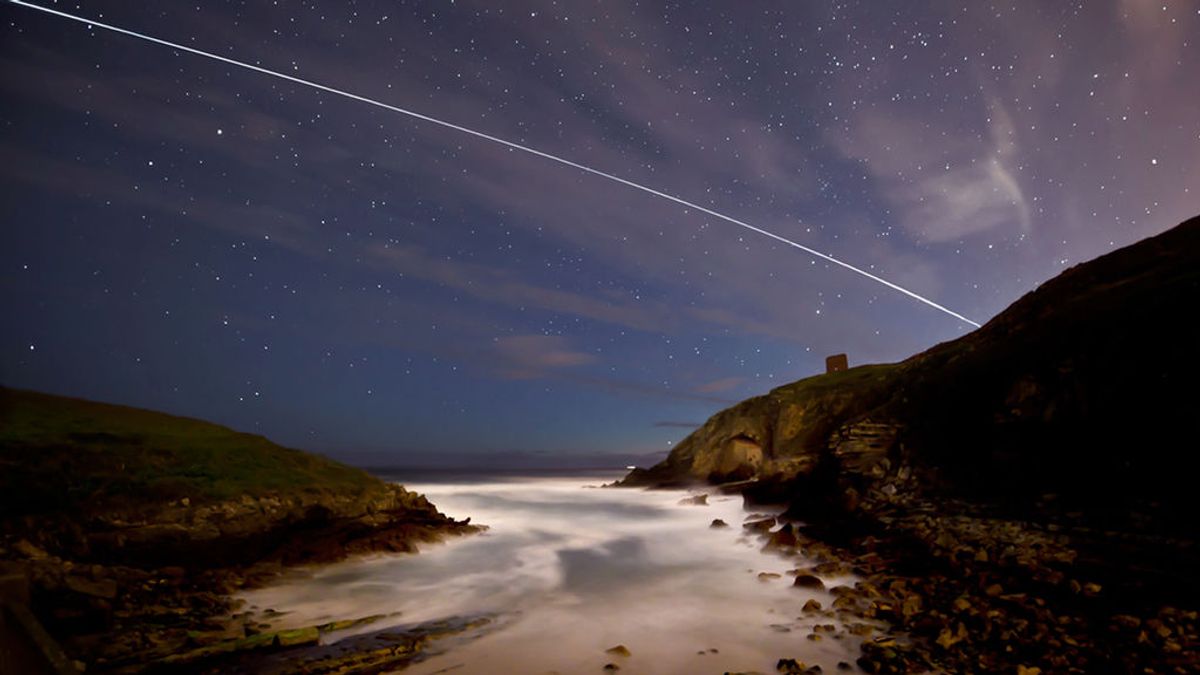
[
  {"x": 131, "y": 590},
  {"x": 305, "y": 527},
  {"x": 131, "y": 529},
  {"x": 781, "y": 435},
  {"x": 862, "y": 447},
  {"x": 1017, "y": 500}
]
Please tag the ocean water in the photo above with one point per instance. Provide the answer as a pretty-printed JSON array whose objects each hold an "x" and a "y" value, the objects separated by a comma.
[{"x": 568, "y": 570}]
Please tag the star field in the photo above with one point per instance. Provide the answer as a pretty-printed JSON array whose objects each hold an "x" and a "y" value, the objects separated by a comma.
[{"x": 183, "y": 235}]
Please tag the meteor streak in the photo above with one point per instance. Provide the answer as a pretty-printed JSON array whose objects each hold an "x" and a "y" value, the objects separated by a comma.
[{"x": 509, "y": 144}]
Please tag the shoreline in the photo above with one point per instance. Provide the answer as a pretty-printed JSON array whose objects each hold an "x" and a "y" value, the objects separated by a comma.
[
  {"x": 965, "y": 589},
  {"x": 129, "y": 616}
]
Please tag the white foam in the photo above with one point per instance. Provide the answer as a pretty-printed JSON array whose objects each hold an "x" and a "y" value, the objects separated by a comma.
[{"x": 571, "y": 571}]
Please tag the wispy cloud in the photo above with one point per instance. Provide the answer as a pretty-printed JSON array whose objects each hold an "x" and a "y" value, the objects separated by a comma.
[
  {"x": 723, "y": 384},
  {"x": 506, "y": 286},
  {"x": 529, "y": 356},
  {"x": 942, "y": 190}
]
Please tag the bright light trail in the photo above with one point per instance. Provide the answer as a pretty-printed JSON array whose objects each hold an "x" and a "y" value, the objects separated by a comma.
[{"x": 501, "y": 141}]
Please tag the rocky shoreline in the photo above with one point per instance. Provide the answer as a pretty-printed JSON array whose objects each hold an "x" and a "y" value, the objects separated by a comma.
[
  {"x": 949, "y": 586},
  {"x": 151, "y": 590}
]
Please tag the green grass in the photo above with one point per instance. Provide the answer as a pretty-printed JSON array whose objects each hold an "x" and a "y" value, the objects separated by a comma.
[
  {"x": 856, "y": 378},
  {"x": 60, "y": 453}
]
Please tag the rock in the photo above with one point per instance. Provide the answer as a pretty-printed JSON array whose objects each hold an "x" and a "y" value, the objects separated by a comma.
[
  {"x": 343, "y": 624},
  {"x": 29, "y": 550},
  {"x": 717, "y": 523},
  {"x": 812, "y": 605},
  {"x": 611, "y": 667},
  {"x": 1127, "y": 621},
  {"x": 910, "y": 606},
  {"x": 97, "y": 588},
  {"x": 948, "y": 638},
  {"x": 784, "y": 537},
  {"x": 808, "y": 581},
  {"x": 842, "y": 665},
  {"x": 762, "y": 526},
  {"x": 173, "y": 572},
  {"x": 790, "y": 666},
  {"x": 695, "y": 500},
  {"x": 846, "y": 602},
  {"x": 619, "y": 650},
  {"x": 203, "y": 638},
  {"x": 767, "y": 576}
]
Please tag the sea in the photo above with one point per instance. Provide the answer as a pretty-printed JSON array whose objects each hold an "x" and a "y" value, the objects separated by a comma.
[{"x": 568, "y": 570}]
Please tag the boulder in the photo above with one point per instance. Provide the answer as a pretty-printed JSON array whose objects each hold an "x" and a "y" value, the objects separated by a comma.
[{"x": 808, "y": 581}]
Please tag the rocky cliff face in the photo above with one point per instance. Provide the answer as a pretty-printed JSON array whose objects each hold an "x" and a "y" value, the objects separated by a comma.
[
  {"x": 779, "y": 435},
  {"x": 1080, "y": 386},
  {"x": 291, "y": 528}
]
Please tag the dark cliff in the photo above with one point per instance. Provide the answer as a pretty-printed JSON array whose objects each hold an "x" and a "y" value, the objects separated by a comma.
[
  {"x": 1020, "y": 499},
  {"x": 1084, "y": 385}
]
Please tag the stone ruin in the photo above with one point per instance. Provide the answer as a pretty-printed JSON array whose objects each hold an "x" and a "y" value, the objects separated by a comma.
[{"x": 836, "y": 363}]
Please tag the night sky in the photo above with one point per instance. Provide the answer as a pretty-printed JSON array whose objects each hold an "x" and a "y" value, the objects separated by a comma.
[{"x": 187, "y": 236}]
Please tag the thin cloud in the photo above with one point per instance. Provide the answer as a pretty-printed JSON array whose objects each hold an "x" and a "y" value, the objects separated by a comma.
[
  {"x": 723, "y": 384},
  {"x": 677, "y": 425},
  {"x": 530, "y": 356}
]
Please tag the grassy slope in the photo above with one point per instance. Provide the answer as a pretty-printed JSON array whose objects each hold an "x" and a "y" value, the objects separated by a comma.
[{"x": 64, "y": 453}]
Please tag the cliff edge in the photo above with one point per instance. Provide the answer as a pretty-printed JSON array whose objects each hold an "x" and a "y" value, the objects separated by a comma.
[
  {"x": 129, "y": 529},
  {"x": 1082, "y": 385}
]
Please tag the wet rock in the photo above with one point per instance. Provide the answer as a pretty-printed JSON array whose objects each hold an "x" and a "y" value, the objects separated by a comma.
[
  {"x": 808, "y": 581},
  {"x": 783, "y": 538},
  {"x": 611, "y": 667},
  {"x": 717, "y": 523},
  {"x": 768, "y": 576},
  {"x": 343, "y": 624},
  {"x": 811, "y": 606},
  {"x": 762, "y": 526},
  {"x": 790, "y": 666},
  {"x": 695, "y": 500},
  {"x": 619, "y": 650}
]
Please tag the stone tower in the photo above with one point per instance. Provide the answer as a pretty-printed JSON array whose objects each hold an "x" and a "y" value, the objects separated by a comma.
[{"x": 836, "y": 363}]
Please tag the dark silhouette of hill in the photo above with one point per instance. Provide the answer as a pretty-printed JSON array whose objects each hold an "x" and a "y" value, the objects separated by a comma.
[{"x": 1021, "y": 499}]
